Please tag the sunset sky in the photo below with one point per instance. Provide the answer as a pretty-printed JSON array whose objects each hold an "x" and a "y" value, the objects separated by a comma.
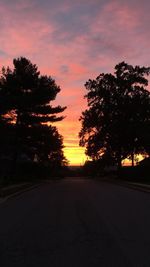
[{"x": 73, "y": 41}]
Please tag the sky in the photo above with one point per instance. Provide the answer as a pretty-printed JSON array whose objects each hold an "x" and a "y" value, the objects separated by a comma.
[{"x": 74, "y": 41}]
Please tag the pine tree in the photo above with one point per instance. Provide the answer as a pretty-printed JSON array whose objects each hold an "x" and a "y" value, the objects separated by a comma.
[{"x": 25, "y": 98}]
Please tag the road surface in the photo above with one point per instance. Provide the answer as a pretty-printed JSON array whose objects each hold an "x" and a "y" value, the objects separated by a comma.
[{"x": 73, "y": 223}]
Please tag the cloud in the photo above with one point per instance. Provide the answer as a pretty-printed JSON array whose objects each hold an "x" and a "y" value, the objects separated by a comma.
[{"x": 73, "y": 41}]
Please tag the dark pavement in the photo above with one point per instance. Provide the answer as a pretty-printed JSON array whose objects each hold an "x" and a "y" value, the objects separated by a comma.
[{"x": 73, "y": 223}]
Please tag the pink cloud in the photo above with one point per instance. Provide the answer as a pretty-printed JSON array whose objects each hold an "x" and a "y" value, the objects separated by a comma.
[{"x": 74, "y": 41}]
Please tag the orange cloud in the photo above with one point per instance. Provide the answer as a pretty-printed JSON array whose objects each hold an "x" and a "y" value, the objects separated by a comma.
[{"x": 72, "y": 42}]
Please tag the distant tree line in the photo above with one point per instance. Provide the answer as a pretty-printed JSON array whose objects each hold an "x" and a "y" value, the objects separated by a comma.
[
  {"x": 116, "y": 123},
  {"x": 26, "y": 114}
]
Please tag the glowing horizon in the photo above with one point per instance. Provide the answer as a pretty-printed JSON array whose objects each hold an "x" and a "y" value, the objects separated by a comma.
[{"x": 74, "y": 42}]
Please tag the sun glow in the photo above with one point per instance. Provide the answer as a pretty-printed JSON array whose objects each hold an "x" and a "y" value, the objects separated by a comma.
[
  {"x": 128, "y": 162},
  {"x": 75, "y": 155}
]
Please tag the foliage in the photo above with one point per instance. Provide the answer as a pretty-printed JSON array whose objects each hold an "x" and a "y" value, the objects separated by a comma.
[
  {"x": 25, "y": 103},
  {"x": 117, "y": 120}
]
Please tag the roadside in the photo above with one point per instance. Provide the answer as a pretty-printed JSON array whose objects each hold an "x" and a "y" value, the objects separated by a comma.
[
  {"x": 10, "y": 191},
  {"x": 16, "y": 189},
  {"x": 137, "y": 186},
  {"x": 144, "y": 187}
]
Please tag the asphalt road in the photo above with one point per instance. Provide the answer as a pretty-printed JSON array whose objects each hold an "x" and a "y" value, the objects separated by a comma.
[{"x": 73, "y": 223}]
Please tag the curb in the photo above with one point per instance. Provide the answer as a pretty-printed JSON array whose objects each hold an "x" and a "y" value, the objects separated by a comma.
[
  {"x": 138, "y": 187},
  {"x": 141, "y": 188},
  {"x": 17, "y": 191},
  {"x": 4, "y": 191}
]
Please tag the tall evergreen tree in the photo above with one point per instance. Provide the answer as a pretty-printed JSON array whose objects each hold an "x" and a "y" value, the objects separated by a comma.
[{"x": 25, "y": 98}]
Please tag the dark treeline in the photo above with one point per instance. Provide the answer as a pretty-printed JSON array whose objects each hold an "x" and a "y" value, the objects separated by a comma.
[
  {"x": 29, "y": 145},
  {"x": 116, "y": 124}
]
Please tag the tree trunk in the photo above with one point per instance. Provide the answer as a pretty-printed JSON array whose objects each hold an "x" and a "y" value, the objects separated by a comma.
[
  {"x": 15, "y": 152},
  {"x": 132, "y": 158},
  {"x": 119, "y": 164}
]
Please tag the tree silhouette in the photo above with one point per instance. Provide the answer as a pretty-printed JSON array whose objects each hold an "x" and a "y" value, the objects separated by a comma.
[
  {"x": 25, "y": 98},
  {"x": 117, "y": 121},
  {"x": 47, "y": 144}
]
